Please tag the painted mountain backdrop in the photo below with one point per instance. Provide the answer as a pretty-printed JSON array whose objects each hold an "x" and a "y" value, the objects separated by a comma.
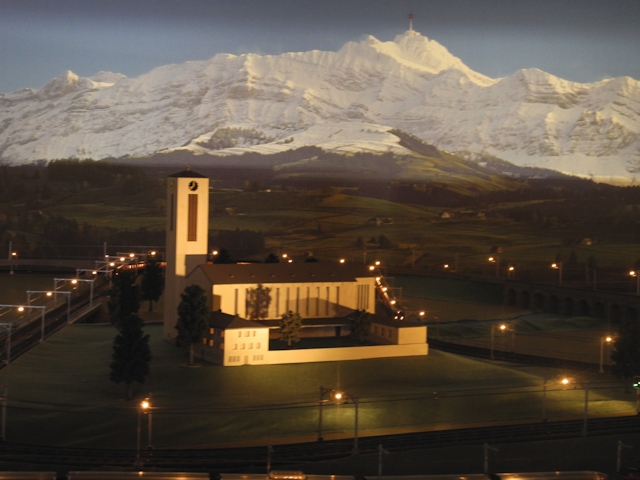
[{"x": 345, "y": 101}]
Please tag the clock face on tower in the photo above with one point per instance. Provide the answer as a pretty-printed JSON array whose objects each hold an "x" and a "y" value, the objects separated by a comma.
[{"x": 193, "y": 185}]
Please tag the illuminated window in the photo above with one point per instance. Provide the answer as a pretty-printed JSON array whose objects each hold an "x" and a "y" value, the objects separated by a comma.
[
  {"x": 192, "y": 215},
  {"x": 211, "y": 343},
  {"x": 204, "y": 341},
  {"x": 221, "y": 346},
  {"x": 212, "y": 331}
]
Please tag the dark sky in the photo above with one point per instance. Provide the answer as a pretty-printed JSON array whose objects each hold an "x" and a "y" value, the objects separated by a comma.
[{"x": 580, "y": 40}]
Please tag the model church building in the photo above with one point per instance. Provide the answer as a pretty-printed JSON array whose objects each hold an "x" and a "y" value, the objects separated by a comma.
[{"x": 323, "y": 294}]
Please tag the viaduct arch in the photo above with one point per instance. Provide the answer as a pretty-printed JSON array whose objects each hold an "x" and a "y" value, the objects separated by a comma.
[{"x": 612, "y": 307}]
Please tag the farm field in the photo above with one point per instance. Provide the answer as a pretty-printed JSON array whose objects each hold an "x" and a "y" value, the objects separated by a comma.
[{"x": 338, "y": 224}]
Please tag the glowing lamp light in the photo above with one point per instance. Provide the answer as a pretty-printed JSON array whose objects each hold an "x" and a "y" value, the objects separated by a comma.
[
  {"x": 49, "y": 294},
  {"x": 215, "y": 252},
  {"x": 608, "y": 339},
  {"x": 503, "y": 327},
  {"x": 337, "y": 395},
  {"x": 131, "y": 255},
  {"x": 372, "y": 268},
  {"x": 145, "y": 404},
  {"x": 377, "y": 279},
  {"x": 491, "y": 259},
  {"x": 153, "y": 253},
  {"x": 74, "y": 281},
  {"x": 284, "y": 255},
  {"x": 122, "y": 259},
  {"x": 511, "y": 269},
  {"x": 446, "y": 265},
  {"x": 377, "y": 263},
  {"x": 112, "y": 264},
  {"x": 342, "y": 260},
  {"x": 94, "y": 272},
  {"x": 21, "y": 309},
  {"x": 384, "y": 289},
  {"x": 633, "y": 273},
  {"x": 564, "y": 381},
  {"x": 554, "y": 265},
  {"x": 290, "y": 261},
  {"x": 392, "y": 302},
  {"x": 422, "y": 314}
]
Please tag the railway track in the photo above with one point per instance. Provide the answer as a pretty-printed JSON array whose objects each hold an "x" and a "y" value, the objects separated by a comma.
[{"x": 230, "y": 459}]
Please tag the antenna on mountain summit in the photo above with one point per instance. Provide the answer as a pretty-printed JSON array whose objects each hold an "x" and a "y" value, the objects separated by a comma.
[{"x": 411, "y": 22}]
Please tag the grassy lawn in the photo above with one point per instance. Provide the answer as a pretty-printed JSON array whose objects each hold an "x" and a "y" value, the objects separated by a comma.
[{"x": 60, "y": 394}]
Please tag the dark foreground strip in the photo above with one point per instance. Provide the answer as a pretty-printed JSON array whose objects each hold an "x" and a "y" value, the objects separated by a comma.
[{"x": 230, "y": 459}]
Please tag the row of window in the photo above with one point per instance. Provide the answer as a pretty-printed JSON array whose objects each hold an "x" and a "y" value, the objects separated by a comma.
[
  {"x": 236, "y": 358},
  {"x": 311, "y": 306},
  {"x": 244, "y": 345},
  {"x": 212, "y": 343}
]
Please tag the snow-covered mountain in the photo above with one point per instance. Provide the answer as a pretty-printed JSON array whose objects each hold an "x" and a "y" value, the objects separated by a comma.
[{"x": 342, "y": 101}]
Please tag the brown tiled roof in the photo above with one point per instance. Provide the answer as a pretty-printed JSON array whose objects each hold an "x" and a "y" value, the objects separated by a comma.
[
  {"x": 225, "y": 321},
  {"x": 187, "y": 174},
  {"x": 265, "y": 273}
]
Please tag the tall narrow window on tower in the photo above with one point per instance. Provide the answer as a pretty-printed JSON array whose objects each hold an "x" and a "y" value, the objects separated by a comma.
[
  {"x": 172, "y": 213},
  {"x": 192, "y": 228}
]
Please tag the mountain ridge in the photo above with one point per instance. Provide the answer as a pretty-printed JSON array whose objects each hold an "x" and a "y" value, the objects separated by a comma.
[{"x": 365, "y": 89}]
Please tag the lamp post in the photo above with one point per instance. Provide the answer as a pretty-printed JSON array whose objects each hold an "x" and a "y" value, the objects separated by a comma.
[
  {"x": 143, "y": 407},
  {"x": 338, "y": 396},
  {"x": 558, "y": 266},
  {"x": 21, "y": 308},
  {"x": 53, "y": 294},
  {"x": 74, "y": 281},
  {"x": 503, "y": 327},
  {"x": 496, "y": 260},
  {"x": 604, "y": 340},
  {"x": 356, "y": 403},
  {"x": 635, "y": 274}
]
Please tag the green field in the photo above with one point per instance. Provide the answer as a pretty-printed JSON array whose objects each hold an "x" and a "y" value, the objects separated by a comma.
[{"x": 60, "y": 394}]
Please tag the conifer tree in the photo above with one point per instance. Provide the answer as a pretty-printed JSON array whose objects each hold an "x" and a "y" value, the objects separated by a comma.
[
  {"x": 192, "y": 319},
  {"x": 124, "y": 296},
  {"x": 626, "y": 352},
  {"x": 152, "y": 282},
  {"x": 131, "y": 354}
]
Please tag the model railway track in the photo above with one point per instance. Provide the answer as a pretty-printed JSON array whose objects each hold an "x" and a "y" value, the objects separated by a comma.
[
  {"x": 29, "y": 335},
  {"x": 282, "y": 455}
]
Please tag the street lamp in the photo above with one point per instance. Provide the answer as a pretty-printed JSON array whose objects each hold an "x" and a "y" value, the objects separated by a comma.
[
  {"x": 604, "y": 340},
  {"x": 356, "y": 402},
  {"x": 496, "y": 260},
  {"x": 503, "y": 327},
  {"x": 21, "y": 308},
  {"x": 332, "y": 396},
  {"x": 566, "y": 381},
  {"x": 511, "y": 271},
  {"x": 143, "y": 407},
  {"x": 633, "y": 273},
  {"x": 558, "y": 266},
  {"x": 338, "y": 396}
]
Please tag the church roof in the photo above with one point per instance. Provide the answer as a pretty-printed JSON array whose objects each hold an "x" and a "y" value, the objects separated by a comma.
[
  {"x": 265, "y": 273},
  {"x": 187, "y": 174},
  {"x": 225, "y": 321}
]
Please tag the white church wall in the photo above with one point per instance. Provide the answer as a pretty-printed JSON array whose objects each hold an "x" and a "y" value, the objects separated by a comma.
[{"x": 311, "y": 355}]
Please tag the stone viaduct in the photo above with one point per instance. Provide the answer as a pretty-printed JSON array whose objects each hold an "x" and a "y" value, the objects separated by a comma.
[{"x": 614, "y": 307}]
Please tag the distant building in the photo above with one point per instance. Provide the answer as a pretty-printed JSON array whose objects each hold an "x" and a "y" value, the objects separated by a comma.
[{"x": 324, "y": 294}]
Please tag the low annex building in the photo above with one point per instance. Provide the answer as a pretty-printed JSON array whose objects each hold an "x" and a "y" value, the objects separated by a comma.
[{"x": 323, "y": 294}]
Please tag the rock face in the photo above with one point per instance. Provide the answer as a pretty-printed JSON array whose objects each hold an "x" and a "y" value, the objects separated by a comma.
[{"x": 346, "y": 101}]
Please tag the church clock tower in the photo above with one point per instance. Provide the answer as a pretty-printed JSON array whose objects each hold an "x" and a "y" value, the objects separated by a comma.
[{"x": 187, "y": 238}]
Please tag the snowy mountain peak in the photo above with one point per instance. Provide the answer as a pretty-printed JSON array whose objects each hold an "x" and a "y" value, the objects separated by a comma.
[{"x": 342, "y": 101}]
